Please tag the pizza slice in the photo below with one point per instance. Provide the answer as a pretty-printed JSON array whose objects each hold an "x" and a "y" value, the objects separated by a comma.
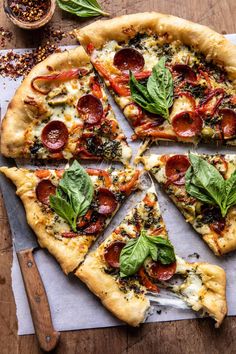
[
  {"x": 203, "y": 189},
  {"x": 173, "y": 79},
  {"x": 69, "y": 209},
  {"x": 133, "y": 265},
  {"x": 61, "y": 111}
]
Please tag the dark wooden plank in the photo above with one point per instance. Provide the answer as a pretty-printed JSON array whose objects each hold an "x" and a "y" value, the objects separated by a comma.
[{"x": 173, "y": 337}]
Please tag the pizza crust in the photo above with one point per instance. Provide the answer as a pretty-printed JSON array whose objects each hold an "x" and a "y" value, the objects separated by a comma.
[
  {"x": 214, "y": 299},
  {"x": 16, "y": 120},
  {"x": 212, "y": 44},
  {"x": 69, "y": 255},
  {"x": 129, "y": 307}
]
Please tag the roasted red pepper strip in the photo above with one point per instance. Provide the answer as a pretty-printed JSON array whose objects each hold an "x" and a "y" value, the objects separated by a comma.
[
  {"x": 96, "y": 88},
  {"x": 205, "y": 108},
  {"x": 144, "y": 280},
  {"x": 62, "y": 76},
  {"x": 102, "y": 173},
  {"x": 90, "y": 48},
  {"x": 84, "y": 220},
  {"x": 127, "y": 187}
]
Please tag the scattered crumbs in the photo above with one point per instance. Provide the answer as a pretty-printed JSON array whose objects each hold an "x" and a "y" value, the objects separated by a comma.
[{"x": 194, "y": 255}]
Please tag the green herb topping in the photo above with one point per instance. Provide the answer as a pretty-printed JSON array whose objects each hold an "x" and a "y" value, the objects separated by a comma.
[
  {"x": 137, "y": 250},
  {"x": 82, "y": 8},
  {"x": 157, "y": 96},
  {"x": 204, "y": 182},
  {"x": 74, "y": 194}
]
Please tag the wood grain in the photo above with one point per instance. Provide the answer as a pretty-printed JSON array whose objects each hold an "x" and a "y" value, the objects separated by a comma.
[
  {"x": 38, "y": 302},
  {"x": 195, "y": 336}
]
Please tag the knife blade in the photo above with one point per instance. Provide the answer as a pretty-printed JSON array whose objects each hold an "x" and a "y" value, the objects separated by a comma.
[{"x": 25, "y": 242}]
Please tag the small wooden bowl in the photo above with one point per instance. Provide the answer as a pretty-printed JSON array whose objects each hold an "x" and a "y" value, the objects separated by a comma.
[{"x": 30, "y": 25}]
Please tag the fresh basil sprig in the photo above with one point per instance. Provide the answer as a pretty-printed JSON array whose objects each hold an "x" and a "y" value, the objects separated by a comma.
[
  {"x": 157, "y": 96},
  {"x": 82, "y": 8},
  {"x": 204, "y": 182},
  {"x": 73, "y": 195},
  {"x": 137, "y": 250}
]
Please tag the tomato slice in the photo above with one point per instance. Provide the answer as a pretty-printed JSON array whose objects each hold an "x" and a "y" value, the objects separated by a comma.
[
  {"x": 176, "y": 167},
  {"x": 107, "y": 202},
  {"x": 112, "y": 253},
  {"x": 128, "y": 59},
  {"x": 44, "y": 189},
  {"x": 228, "y": 123},
  {"x": 162, "y": 272},
  {"x": 55, "y": 136},
  {"x": 187, "y": 124},
  {"x": 90, "y": 108}
]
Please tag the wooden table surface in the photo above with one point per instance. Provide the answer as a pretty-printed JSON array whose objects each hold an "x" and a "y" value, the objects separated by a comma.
[{"x": 192, "y": 336}]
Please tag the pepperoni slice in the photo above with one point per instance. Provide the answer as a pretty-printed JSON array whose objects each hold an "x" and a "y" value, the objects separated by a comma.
[
  {"x": 129, "y": 59},
  {"x": 107, "y": 202},
  {"x": 228, "y": 123},
  {"x": 95, "y": 226},
  {"x": 187, "y": 124},
  {"x": 112, "y": 253},
  {"x": 90, "y": 108},
  {"x": 176, "y": 167},
  {"x": 162, "y": 271},
  {"x": 44, "y": 189},
  {"x": 55, "y": 135},
  {"x": 185, "y": 71}
]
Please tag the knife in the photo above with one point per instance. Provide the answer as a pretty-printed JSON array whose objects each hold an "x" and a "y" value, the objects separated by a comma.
[{"x": 25, "y": 242}]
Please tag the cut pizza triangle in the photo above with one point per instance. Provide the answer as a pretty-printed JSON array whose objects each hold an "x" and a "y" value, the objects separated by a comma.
[
  {"x": 61, "y": 111},
  {"x": 201, "y": 105},
  {"x": 202, "y": 285},
  {"x": 68, "y": 246},
  {"x": 169, "y": 171}
]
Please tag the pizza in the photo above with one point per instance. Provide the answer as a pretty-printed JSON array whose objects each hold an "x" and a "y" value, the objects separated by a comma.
[
  {"x": 61, "y": 111},
  {"x": 173, "y": 79},
  {"x": 215, "y": 224},
  {"x": 126, "y": 276},
  {"x": 97, "y": 194}
]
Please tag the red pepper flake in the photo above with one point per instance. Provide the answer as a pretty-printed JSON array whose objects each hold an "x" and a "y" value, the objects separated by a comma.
[
  {"x": 5, "y": 36},
  {"x": 29, "y": 10}
]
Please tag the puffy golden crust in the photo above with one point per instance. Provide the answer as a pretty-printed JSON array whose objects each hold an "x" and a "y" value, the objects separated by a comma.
[
  {"x": 212, "y": 44},
  {"x": 68, "y": 255},
  {"x": 16, "y": 121},
  {"x": 128, "y": 307},
  {"x": 214, "y": 298}
]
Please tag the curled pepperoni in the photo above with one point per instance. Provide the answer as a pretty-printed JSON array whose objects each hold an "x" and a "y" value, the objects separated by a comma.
[
  {"x": 187, "y": 124},
  {"x": 107, "y": 202},
  {"x": 185, "y": 71},
  {"x": 228, "y": 123},
  {"x": 112, "y": 253},
  {"x": 44, "y": 189},
  {"x": 128, "y": 59},
  {"x": 176, "y": 167},
  {"x": 162, "y": 271},
  {"x": 95, "y": 226},
  {"x": 90, "y": 108},
  {"x": 54, "y": 135}
]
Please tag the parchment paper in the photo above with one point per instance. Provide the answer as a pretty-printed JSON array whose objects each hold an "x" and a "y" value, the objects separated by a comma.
[{"x": 72, "y": 305}]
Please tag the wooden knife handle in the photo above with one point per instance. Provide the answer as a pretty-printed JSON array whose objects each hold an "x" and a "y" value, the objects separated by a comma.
[{"x": 37, "y": 297}]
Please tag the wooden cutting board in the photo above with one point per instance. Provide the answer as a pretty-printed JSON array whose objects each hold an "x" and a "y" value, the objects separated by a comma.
[{"x": 195, "y": 336}]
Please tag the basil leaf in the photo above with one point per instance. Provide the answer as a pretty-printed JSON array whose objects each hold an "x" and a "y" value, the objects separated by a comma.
[
  {"x": 133, "y": 255},
  {"x": 82, "y": 8},
  {"x": 63, "y": 209},
  {"x": 157, "y": 97},
  {"x": 160, "y": 87},
  {"x": 204, "y": 181},
  {"x": 74, "y": 194},
  {"x": 230, "y": 193},
  {"x": 165, "y": 250}
]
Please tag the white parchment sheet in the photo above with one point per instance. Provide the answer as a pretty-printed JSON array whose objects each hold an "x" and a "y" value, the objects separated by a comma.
[{"x": 72, "y": 305}]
